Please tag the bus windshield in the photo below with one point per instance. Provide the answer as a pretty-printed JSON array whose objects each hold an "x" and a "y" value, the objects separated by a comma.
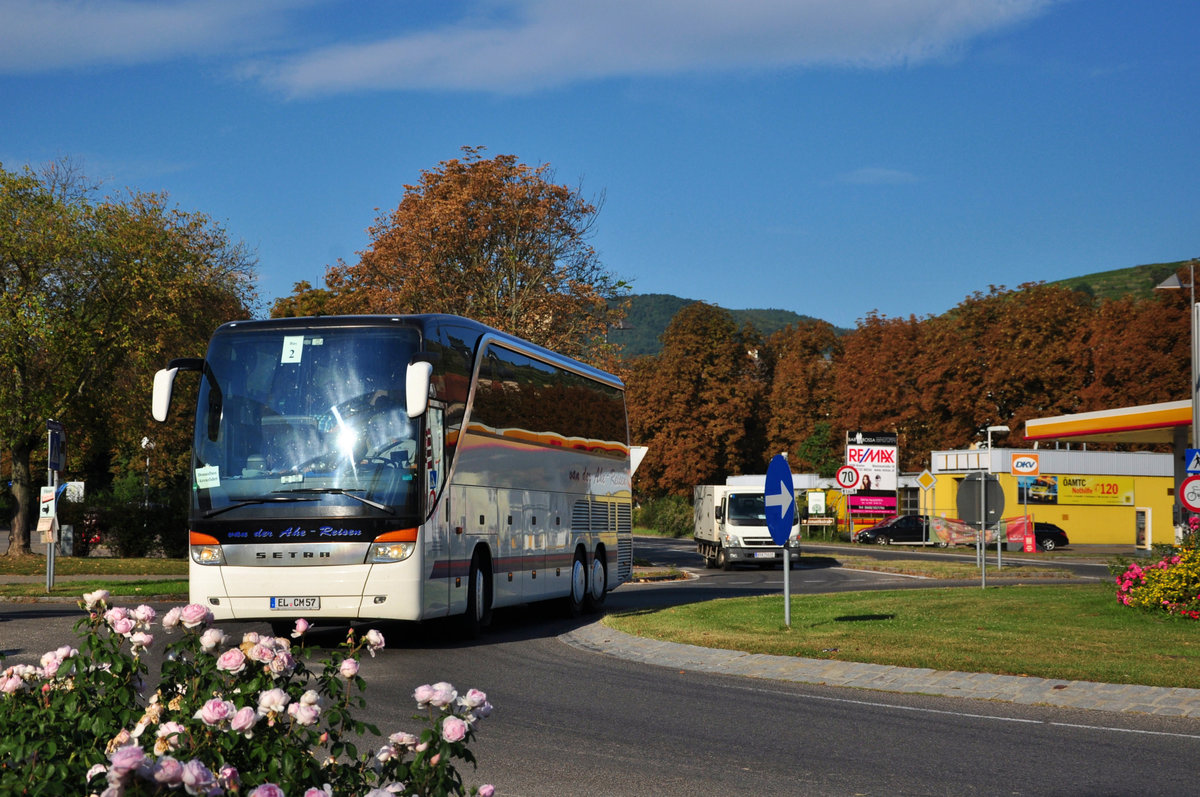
[{"x": 307, "y": 422}]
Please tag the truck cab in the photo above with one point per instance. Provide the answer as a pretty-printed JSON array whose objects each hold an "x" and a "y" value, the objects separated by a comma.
[{"x": 731, "y": 527}]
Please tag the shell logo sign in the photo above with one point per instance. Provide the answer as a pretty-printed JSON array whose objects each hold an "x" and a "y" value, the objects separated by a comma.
[{"x": 1025, "y": 464}]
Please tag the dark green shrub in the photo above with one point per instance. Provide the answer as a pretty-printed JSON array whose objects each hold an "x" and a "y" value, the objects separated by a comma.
[{"x": 670, "y": 515}]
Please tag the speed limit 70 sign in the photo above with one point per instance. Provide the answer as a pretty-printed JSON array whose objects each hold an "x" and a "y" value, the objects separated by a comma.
[{"x": 847, "y": 477}]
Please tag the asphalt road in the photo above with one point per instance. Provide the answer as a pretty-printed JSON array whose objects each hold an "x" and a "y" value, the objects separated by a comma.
[{"x": 569, "y": 722}]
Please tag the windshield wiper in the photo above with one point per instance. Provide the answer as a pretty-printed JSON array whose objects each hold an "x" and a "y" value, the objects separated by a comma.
[
  {"x": 265, "y": 499},
  {"x": 338, "y": 491}
]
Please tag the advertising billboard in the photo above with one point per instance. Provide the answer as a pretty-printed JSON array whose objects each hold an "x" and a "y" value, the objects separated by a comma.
[{"x": 876, "y": 458}]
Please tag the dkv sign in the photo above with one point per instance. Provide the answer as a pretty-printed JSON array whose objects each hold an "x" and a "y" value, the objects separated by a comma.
[{"x": 1025, "y": 464}]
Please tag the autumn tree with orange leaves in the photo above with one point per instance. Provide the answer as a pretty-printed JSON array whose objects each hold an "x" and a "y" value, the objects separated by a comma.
[
  {"x": 696, "y": 405},
  {"x": 494, "y": 240}
]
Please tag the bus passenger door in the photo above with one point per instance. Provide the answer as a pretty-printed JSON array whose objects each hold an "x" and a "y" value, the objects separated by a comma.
[{"x": 439, "y": 527}]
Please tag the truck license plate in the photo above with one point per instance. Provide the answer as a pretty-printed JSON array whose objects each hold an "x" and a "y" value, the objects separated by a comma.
[
  {"x": 764, "y": 554},
  {"x": 295, "y": 603}
]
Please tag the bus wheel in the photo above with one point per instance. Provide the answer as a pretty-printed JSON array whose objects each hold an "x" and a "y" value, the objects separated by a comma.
[
  {"x": 578, "y": 586},
  {"x": 597, "y": 585},
  {"x": 479, "y": 599}
]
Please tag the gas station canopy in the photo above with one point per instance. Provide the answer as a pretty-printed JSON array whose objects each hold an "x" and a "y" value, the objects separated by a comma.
[{"x": 1149, "y": 423}]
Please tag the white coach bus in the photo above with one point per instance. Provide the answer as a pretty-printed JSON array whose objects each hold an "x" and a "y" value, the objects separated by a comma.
[{"x": 401, "y": 467}]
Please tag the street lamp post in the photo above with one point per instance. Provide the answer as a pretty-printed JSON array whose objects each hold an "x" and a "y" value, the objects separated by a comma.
[
  {"x": 1172, "y": 283},
  {"x": 1001, "y": 429}
]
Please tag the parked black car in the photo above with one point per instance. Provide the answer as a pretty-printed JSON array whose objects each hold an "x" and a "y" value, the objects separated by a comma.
[
  {"x": 1049, "y": 536},
  {"x": 902, "y": 528}
]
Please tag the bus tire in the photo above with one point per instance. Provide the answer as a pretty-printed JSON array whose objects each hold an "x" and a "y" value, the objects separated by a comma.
[
  {"x": 597, "y": 584},
  {"x": 478, "y": 614},
  {"x": 577, "y": 590}
]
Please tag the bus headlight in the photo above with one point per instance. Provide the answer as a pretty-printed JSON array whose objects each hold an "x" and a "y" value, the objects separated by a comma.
[
  {"x": 392, "y": 551},
  {"x": 206, "y": 550},
  {"x": 394, "y": 546},
  {"x": 208, "y": 555}
]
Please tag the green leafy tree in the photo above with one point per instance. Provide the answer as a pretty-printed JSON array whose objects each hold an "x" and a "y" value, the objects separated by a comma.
[
  {"x": 492, "y": 239},
  {"x": 304, "y": 301},
  {"x": 96, "y": 292}
]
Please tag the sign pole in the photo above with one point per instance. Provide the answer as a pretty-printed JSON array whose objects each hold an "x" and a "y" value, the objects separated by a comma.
[{"x": 780, "y": 493}]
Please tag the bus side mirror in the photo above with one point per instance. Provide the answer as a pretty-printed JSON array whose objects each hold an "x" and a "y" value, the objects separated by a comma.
[
  {"x": 164, "y": 385},
  {"x": 416, "y": 387}
]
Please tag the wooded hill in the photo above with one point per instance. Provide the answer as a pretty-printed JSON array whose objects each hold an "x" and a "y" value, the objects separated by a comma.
[{"x": 650, "y": 313}]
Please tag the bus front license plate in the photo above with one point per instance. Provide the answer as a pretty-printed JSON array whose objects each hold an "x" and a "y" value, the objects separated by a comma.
[{"x": 295, "y": 603}]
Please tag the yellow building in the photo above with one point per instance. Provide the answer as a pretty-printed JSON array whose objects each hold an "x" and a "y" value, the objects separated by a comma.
[{"x": 1097, "y": 497}]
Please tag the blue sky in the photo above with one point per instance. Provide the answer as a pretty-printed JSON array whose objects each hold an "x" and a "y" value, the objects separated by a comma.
[{"x": 830, "y": 157}]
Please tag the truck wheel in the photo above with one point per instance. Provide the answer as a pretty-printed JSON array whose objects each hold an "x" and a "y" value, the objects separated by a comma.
[{"x": 723, "y": 561}]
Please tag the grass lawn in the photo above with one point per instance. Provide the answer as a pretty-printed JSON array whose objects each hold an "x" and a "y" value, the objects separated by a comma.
[
  {"x": 87, "y": 566},
  {"x": 1075, "y": 632},
  {"x": 160, "y": 589}
]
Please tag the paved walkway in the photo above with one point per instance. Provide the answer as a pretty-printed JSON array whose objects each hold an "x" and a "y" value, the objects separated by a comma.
[{"x": 1174, "y": 702}]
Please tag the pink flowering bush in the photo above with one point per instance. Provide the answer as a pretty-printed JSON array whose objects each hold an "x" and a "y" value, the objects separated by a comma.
[
  {"x": 1171, "y": 585},
  {"x": 245, "y": 717}
]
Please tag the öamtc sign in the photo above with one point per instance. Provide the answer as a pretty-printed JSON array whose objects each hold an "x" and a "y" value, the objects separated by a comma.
[{"x": 1025, "y": 464}]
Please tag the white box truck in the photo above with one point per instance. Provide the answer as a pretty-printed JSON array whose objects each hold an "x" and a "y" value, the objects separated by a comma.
[{"x": 731, "y": 525}]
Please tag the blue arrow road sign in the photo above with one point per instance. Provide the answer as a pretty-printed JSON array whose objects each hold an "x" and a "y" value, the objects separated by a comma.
[{"x": 780, "y": 498}]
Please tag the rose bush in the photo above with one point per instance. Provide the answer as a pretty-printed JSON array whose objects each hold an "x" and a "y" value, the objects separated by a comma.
[
  {"x": 1171, "y": 584},
  {"x": 228, "y": 717}
]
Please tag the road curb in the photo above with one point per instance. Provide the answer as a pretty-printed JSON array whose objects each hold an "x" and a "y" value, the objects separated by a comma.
[{"x": 1126, "y": 698}]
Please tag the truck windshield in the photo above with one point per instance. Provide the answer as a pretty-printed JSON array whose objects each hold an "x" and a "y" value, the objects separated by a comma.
[
  {"x": 306, "y": 422},
  {"x": 747, "y": 509}
]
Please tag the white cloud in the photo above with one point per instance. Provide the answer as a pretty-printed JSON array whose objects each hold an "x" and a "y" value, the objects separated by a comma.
[
  {"x": 872, "y": 175},
  {"x": 45, "y": 35},
  {"x": 544, "y": 43},
  {"x": 496, "y": 45}
]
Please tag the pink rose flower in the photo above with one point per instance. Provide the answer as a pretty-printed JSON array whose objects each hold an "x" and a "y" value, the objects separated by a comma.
[
  {"x": 167, "y": 771},
  {"x": 232, "y": 661},
  {"x": 197, "y": 778},
  {"x": 94, "y": 601},
  {"x": 144, "y": 615},
  {"x": 140, "y": 640},
  {"x": 403, "y": 739},
  {"x": 348, "y": 668},
  {"x": 443, "y": 694},
  {"x": 487, "y": 790},
  {"x": 171, "y": 618},
  {"x": 194, "y": 614},
  {"x": 272, "y": 701},
  {"x": 267, "y": 790},
  {"x": 301, "y": 628},
  {"x": 374, "y": 642},
  {"x": 454, "y": 729},
  {"x": 304, "y": 713},
  {"x": 243, "y": 721},
  {"x": 228, "y": 777},
  {"x": 211, "y": 639},
  {"x": 172, "y": 732},
  {"x": 122, "y": 625},
  {"x": 423, "y": 694},
  {"x": 216, "y": 711},
  {"x": 127, "y": 759}
]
